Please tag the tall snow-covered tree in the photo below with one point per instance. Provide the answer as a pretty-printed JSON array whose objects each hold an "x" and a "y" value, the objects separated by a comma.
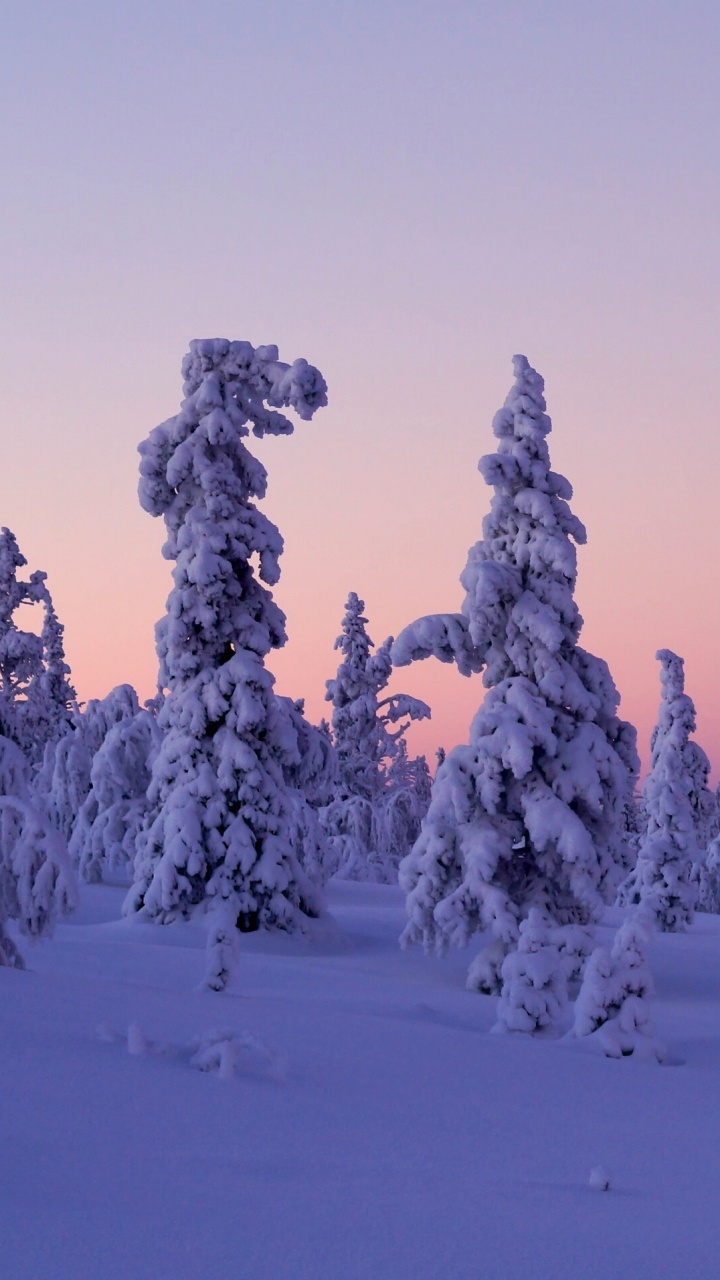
[
  {"x": 529, "y": 814},
  {"x": 665, "y": 877},
  {"x": 381, "y": 794},
  {"x": 36, "y": 696},
  {"x": 219, "y": 831}
]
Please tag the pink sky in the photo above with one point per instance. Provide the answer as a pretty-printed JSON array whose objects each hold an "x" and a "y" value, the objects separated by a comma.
[{"x": 406, "y": 194}]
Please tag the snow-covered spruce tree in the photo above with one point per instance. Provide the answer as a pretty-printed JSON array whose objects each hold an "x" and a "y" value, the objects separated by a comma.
[
  {"x": 666, "y": 874},
  {"x": 703, "y": 801},
  {"x": 406, "y": 801},
  {"x": 21, "y": 652},
  {"x": 309, "y": 764},
  {"x": 534, "y": 990},
  {"x": 47, "y": 712},
  {"x": 63, "y": 782},
  {"x": 381, "y": 795},
  {"x": 612, "y": 1005},
  {"x": 36, "y": 696},
  {"x": 36, "y": 879},
  {"x": 530, "y": 812},
  {"x": 219, "y": 831},
  {"x": 709, "y": 880},
  {"x": 103, "y": 838}
]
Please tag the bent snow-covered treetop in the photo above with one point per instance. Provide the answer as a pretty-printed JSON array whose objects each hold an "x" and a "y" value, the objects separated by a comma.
[{"x": 519, "y": 579}]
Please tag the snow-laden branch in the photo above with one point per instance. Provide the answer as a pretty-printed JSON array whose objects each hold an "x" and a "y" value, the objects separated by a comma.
[{"x": 445, "y": 636}]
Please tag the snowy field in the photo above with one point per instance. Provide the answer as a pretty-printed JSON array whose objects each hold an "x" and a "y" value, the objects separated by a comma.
[{"x": 385, "y": 1135}]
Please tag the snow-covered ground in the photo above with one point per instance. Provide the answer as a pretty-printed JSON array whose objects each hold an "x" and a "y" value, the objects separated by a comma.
[{"x": 388, "y": 1136}]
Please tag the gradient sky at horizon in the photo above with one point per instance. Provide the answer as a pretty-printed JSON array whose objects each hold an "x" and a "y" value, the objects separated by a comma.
[{"x": 406, "y": 194}]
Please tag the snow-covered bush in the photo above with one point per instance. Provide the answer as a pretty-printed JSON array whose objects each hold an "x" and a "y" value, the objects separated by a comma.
[
  {"x": 113, "y": 813},
  {"x": 381, "y": 795},
  {"x": 36, "y": 696},
  {"x": 612, "y": 1006},
  {"x": 665, "y": 876},
  {"x": 220, "y": 825},
  {"x": 530, "y": 812},
  {"x": 534, "y": 979},
  {"x": 36, "y": 879}
]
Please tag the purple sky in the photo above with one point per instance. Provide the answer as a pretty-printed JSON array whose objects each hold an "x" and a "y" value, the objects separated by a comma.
[{"x": 406, "y": 194}]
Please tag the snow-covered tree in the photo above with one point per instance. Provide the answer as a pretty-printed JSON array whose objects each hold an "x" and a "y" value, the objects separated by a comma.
[
  {"x": 35, "y": 694},
  {"x": 406, "y": 800},
  {"x": 612, "y": 1005},
  {"x": 703, "y": 801},
  {"x": 381, "y": 794},
  {"x": 310, "y": 773},
  {"x": 63, "y": 782},
  {"x": 665, "y": 876},
  {"x": 36, "y": 879},
  {"x": 534, "y": 990},
  {"x": 47, "y": 713},
  {"x": 104, "y": 835},
  {"x": 530, "y": 812},
  {"x": 219, "y": 831},
  {"x": 709, "y": 879}
]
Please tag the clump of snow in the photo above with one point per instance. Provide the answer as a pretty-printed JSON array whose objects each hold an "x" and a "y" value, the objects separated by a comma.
[{"x": 228, "y": 1053}]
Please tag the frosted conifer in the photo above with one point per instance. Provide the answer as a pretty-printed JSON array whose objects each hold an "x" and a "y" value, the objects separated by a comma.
[
  {"x": 64, "y": 780},
  {"x": 50, "y": 700},
  {"x": 36, "y": 879},
  {"x": 113, "y": 812},
  {"x": 534, "y": 981},
  {"x": 219, "y": 831},
  {"x": 381, "y": 794},
  {"x": 530, "y": 812},
  {"x": 36, "y": 696},
  {"x": 665, "y": 877},
  {"x": 310, "y": 773},
  {"x": 612, "y": 1005}
]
